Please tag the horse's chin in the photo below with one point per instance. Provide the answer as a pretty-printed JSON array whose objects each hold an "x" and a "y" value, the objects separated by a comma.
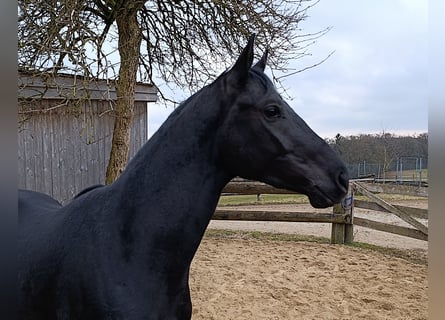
[
  {"x": 320, "y": 202},
  {"x": 321, "y": 194},
  {"x": 317, "y": 198}
]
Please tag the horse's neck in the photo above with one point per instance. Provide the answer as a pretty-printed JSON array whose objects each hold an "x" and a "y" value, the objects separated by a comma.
[
  {"x": 182, "y": 153},
  {"x": 173, "y": 184}
]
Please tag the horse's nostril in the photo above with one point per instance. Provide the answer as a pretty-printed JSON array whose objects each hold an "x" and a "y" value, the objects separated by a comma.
[{"x": 343, "y": 179}]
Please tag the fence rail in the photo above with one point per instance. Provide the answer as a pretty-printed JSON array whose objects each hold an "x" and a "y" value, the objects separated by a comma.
[
  {"x": 342, "y": 217},
  {"x": 414, "y": 212},
  {"x": 286, "y": 216},
  {"x": 380, "y": 226}
]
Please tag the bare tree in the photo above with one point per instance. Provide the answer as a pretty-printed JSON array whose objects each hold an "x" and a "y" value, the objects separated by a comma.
[{"x": 181, "y": 42}]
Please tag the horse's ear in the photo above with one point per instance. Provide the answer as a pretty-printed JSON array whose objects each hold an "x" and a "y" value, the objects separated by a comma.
[
  {"x": 240, "y": 71},
  {"x": 261, "y": 64}
]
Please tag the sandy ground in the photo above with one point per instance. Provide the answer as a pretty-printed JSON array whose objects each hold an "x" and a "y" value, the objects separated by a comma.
[{"x": 253, "y": 279}]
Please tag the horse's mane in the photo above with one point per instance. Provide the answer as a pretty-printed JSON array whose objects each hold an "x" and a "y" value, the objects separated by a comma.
[{"x": 261, "y": 76}]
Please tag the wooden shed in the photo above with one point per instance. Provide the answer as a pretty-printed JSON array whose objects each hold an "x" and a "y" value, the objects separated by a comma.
[{"x": 65, "y": 129}]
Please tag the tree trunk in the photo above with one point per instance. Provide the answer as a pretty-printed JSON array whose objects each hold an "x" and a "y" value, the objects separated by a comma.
[{"x": 129, "y": 44}]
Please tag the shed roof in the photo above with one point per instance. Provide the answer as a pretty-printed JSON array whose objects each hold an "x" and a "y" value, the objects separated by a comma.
[{"x": 65, "y": 86}]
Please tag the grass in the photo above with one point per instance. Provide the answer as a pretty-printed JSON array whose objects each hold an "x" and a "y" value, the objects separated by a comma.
[
  {"x": 413, "y": 256},
  {"x": 258, "y": 235},
  {"x": 267, "y": 199}
]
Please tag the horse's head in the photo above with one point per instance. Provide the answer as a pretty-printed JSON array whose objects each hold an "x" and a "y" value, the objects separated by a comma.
[{"x": 262, "y": 138}]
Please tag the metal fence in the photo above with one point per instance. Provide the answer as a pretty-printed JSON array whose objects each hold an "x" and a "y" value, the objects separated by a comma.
[{"x": 402, "y": 169}]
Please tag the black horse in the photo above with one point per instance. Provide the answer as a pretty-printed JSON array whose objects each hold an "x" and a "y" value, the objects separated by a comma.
[{"x": 123, "y": 251}]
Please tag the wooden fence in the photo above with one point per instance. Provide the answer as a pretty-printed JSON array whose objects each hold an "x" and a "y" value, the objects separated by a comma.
[
  {"x": 407, "y": 214},
  {"x": 342, "y": 216}
]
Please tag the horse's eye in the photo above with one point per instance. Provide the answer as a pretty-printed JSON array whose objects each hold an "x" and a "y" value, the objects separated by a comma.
[{"x": 272, "y": 112}]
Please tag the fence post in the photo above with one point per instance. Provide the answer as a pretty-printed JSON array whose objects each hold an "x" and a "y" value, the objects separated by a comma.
[
  {"x": 344, "y": 232},
  {"x": 348, "y": 207}
]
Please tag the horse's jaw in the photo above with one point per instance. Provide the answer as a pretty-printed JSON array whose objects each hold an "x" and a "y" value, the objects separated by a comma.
[{"x": 323, "y": 188}]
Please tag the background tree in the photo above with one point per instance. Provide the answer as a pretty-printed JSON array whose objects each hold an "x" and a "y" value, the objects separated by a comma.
[
  {"x": 382, "y": 149},
  {"x": 182, "y": 42}
]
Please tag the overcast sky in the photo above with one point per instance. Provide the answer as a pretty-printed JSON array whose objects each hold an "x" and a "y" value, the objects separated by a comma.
[{"x": 375, "y": 81}]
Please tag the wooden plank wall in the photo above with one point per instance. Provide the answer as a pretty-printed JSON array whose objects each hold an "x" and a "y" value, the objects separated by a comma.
[{"x": 66, "y": 149}]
